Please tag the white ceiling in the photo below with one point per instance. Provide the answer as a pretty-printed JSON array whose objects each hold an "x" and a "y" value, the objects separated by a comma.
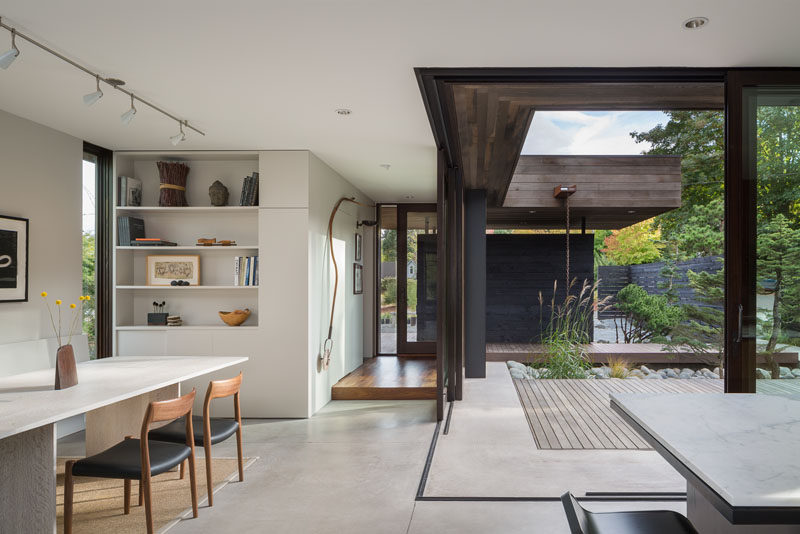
[{"x": 269, "y": 75}]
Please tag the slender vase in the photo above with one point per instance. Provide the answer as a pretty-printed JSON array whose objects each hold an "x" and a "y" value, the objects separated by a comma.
[{"x": 66, "y": 370}]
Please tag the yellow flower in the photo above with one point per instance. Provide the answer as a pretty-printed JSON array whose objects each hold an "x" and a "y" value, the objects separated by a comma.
[
  {"x": 88, "y": 297},
  {"x": 81, "y": 297},
  {"x": 58, "y": 303},
  {"x": 72, "y": 306},
  {"x": 44, "y": 294}
]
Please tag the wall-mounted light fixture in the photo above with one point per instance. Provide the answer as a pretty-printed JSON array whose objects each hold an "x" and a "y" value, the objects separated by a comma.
[{"x": 7, "y": 58}]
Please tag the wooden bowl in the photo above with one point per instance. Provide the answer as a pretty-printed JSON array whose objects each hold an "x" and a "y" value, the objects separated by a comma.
[{"x": 234, "y": 318}]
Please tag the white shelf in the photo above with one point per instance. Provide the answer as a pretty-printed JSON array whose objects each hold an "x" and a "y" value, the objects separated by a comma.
[
  {"x": 190, "y": 209},
  {"x": 184, "y": 327},
  {"x": 190, "y": 247},
  {"x": 185, "y": 288}
]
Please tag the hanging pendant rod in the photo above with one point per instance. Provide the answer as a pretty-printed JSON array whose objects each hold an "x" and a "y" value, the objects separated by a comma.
[{"x": 97, "y": 76}]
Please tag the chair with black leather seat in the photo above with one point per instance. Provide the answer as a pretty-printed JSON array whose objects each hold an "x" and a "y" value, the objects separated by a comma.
[
  {"x": 209, "y": 430},
  {"x": 582, "y": 521},
  {"x": 139, "y": 459}
]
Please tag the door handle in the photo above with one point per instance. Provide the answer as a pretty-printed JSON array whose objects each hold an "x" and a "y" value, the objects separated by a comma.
[{"x": 738, "y": 338}]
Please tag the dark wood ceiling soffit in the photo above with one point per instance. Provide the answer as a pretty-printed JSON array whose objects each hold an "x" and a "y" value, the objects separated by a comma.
[{"x": 491, "y": 120}]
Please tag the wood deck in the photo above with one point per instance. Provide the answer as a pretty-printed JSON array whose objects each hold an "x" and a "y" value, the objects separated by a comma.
[
  {"x": 635, "y": 353},
  {"x": 389, "y": 378},
  {"x": 575, "y": 414}
]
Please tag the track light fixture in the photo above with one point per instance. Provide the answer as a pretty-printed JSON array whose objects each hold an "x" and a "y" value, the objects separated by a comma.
[
  {"x": 91, "y": 98},
  {"x": 178, "y": 137},
  {"x": 127, "y": 117},
  {"x": 7, "y": 58}
]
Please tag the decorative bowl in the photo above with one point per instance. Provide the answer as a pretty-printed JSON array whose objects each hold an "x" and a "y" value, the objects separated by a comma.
[{"x": 234, "y": 318}]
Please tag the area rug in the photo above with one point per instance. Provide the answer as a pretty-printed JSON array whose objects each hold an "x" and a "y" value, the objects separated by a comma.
[{"x": 98, "y": 502}]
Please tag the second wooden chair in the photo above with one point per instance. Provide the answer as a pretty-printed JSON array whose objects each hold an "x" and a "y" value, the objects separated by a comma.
[{"x": 209, "y": 431}]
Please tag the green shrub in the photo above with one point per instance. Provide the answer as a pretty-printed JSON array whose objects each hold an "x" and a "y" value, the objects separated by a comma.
[
  {"x": 389, "y": 290},
  {"x": 647, "y": 317}
]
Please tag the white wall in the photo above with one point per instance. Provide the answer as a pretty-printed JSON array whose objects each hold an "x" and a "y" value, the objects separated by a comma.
[
  {"x": 41, "y": 180},
  {"x": 326, "y": 187}
]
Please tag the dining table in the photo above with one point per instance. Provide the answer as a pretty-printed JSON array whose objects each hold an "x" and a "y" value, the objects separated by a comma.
[
  {"x": 113, "y": 393},
  {"x": 739, "y": 454}
]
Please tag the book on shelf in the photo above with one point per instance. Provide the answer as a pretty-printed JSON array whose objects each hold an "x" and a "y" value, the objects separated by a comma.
[
  {"x": 249, "y": 196},
  {"x": 152, "y": 242},
  {"x": 129, "y": 229},
  {"x": 122, "y": 190},
  {"x": 245, "y": 271}
]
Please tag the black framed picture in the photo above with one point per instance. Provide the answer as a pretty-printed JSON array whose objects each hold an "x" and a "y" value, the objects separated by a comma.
[
  {"x": 358, "y": 280},
  {"x": 13, "y": 259},
  {"x": 359, "y": 246}
]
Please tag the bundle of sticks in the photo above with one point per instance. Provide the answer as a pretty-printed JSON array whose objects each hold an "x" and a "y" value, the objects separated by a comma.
[{"x": 173, "y": 184}]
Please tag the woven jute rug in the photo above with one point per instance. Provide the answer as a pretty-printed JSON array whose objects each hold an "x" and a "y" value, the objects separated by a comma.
[{"x": 98, "y": 502}]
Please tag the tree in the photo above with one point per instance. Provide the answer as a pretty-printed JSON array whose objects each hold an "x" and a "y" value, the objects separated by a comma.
[
  {"x": 703, "y": 330},
  {"x": 633, "y": 245},
  {"x": 89, "y": 309},
  {"x": 647, "y": 317},
  {"x": 778, "y": 259},
  {"x": 388, "y": 245}
]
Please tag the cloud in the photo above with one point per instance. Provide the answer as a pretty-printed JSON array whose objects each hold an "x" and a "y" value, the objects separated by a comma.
[{"x": 589, "y": 133}]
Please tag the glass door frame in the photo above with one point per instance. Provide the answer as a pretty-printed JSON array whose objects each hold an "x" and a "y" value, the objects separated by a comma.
[
  {"x": 405, "y": 347},
  {"x": 741, "y": 198}
]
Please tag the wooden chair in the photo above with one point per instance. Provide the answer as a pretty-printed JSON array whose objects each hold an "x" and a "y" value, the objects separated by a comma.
[
  {"x": 209, "y": 431},
  {"x": 139, "y": 459},
  {"x": 582, "y": 521}
]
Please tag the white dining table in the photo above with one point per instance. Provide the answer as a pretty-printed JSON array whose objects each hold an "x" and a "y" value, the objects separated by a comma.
[
  {"x": 112, "y": 392},
  {"x": 739, "y": 453}
]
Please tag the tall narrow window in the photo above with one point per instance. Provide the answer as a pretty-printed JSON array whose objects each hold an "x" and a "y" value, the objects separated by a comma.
[{"x": 88, "y": 242}]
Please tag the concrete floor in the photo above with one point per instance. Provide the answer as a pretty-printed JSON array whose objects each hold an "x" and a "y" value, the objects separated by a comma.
[{"x": 355, "y": 467}]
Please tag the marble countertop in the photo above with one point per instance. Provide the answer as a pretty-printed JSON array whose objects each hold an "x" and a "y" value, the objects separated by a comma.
[
  {"x": 28, "y": 400},
  {"x": 744, "y": 447}
]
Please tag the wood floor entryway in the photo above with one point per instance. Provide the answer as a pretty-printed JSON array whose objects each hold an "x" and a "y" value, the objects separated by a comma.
[{"x": 389, "y": 378}]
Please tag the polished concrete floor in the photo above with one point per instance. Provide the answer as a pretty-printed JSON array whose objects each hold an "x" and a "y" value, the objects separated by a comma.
[{"x": 356, "y": 465}]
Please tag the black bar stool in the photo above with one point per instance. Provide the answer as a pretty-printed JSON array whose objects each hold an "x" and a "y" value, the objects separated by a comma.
[{"x": 582, "y": 521}]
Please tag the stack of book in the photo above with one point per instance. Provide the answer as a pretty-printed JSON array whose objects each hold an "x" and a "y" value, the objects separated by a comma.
[
  {"x": 152, "y": 242},
  {"x": 245, "y": 271},
  {"x": 129, "y": 229},
  {"x": 249, "y": 191}
]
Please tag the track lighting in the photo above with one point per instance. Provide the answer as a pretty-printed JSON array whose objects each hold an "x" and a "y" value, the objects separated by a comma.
[
  {"x": 178, "y": 137},
  {"x": 91, "y": 98},
  {"x": 8, "y": 57},
  {"x": 127, "y": 117}
]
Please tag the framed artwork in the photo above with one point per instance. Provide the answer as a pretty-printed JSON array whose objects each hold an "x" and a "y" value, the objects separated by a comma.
[
  {"x": 359, "y": 246},
  {"x": 13, "y": 259},
  {"x": 358, "y": 280},
  {"x": 163, "y": 270}
]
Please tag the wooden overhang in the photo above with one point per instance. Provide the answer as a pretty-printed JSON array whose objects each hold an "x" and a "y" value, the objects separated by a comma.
[
  {"x": 612, "y": 192},
  {"x": 491, "y": 120}
]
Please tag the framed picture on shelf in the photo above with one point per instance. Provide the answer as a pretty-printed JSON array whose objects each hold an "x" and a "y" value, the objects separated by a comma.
[
  {"x": 359, "y": 246},
  {"x": 13, "y": 259},
  {"x": 358, "y": 279},
  {"x": 163, "y": 270}
]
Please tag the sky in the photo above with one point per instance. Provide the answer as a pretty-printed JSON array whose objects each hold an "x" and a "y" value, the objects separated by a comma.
[{"x": 589, "y": 132}]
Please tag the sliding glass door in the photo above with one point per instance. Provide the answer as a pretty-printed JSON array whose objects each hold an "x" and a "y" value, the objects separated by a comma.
[{"x": 764, "y": 232}]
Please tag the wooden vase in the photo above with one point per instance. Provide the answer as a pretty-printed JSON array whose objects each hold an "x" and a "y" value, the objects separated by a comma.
[{"x": 66, "y": 369}]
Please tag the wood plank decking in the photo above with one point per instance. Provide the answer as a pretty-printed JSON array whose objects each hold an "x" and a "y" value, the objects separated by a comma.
[
  {"x": 575, "y": 414},
  {"x": 389, "y": 378},
  {"x": 635, "y": 353}
]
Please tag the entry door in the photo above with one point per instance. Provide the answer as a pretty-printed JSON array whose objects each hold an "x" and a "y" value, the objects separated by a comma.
[
  {"x": 416, "y": 279},
  {"x": 763, "y": 228}
]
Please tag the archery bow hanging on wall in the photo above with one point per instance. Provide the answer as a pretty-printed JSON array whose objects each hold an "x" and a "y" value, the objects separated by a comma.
[{"x": 327, "y": 346}]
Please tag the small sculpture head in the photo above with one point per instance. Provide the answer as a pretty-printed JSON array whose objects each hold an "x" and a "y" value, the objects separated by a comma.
[{"x": 218, "y": 193}]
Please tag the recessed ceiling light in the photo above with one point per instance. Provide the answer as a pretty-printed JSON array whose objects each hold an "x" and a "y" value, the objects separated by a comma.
[
  {"x": 385, "y": 166},
  {"x": 631, "y": 211},
  {"x": 408, "y": 197},
  {"x": 343, "y": 112},
  {"x": 532, "y": 211},
  {"x": 695, "y": 23}
]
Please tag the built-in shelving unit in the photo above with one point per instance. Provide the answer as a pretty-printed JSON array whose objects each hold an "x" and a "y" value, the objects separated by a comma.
[{"x": 197, "y": 305}]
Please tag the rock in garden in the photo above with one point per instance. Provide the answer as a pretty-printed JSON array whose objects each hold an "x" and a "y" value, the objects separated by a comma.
[
  {"x": 786, "y": 372},
  {"x": 654, "y": 375},
  {"x": 636, "y": 373},
  {"x": 670, "y": 373},
  {"x": 686, "y": 373},
  {"x": 518, "y": 373},
  {"x": 533, "y": 373},
  {"x": 762, "y": 374},
  {"x": 796, "y": 373},
  {"x": 645, "y": 370},
  {"x": 512, "y": 364}
]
